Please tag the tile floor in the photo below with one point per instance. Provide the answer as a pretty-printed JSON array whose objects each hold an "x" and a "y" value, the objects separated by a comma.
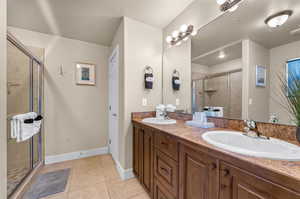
[{"x": 96, "y": 178}]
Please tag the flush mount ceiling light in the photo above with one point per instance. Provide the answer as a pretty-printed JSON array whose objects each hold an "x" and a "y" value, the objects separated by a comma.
[
  {"x": 181, "y": 35},
  {"x": 278, "y": 19},
  {"x": 228, "y": 5},
  {"x": 222, "y": 55}
]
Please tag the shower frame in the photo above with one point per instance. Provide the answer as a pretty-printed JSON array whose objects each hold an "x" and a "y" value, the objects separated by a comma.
[{"x": 33, "y": 59}]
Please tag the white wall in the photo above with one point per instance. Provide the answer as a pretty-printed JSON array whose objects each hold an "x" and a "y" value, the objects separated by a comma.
[
  {"x": 142, "y": 47},
  {"x": 75, "y": 116},
  {"x": 278, "y": 58},
  {"x": 3, "y": 94}
]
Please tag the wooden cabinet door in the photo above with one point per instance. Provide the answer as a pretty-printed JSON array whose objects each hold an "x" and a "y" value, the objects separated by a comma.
[
  {"x": 236, "y": 183},
  {"x": 198, "y": 175},
  {"x": 160, "y": 192},
  {"x": 136, "y": 151},
  {"x": 147, "y": 150}
]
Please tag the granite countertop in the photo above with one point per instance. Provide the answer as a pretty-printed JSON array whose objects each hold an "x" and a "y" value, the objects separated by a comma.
[{"x": 193, "y": 135}]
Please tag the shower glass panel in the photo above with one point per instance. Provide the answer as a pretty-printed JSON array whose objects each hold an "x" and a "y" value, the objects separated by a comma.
[
  {"x": 24, "y": 86},
  {"x": 36, "y": 107},
  {"x": 19, "y": 162}
]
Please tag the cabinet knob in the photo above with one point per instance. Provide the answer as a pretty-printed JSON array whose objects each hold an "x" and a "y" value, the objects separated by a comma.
[
  {"x": 165, "y": 144},
  {"x": 213, "y": 166},
  {"x": 226, "y": 172},
  {"x": 165, "y": 170}
]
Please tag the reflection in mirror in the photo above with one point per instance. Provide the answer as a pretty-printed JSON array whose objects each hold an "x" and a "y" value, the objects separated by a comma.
[
  {"x": 238, "y": 61},
  {"x": 217, "y": 82}
]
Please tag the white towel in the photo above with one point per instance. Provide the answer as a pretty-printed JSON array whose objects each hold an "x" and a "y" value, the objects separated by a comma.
[{"x": 23, "y": 131}]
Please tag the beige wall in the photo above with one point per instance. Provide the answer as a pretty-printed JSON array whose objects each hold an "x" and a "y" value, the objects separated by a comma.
[
  {"x": 142, "y": 47},
  {"x": 197, "y": 13},
  {"x": 179, "y": 58},
  {"x": 75, "y": 116},
  {"x": 278, "y": 58},
  {"x": 3, "y": 94},
  {"x": 259, "y": 109},
  {"x": 226, "y": 66}
]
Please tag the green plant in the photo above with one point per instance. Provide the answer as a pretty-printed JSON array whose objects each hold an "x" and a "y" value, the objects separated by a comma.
[{"x": 291, "y": 90}]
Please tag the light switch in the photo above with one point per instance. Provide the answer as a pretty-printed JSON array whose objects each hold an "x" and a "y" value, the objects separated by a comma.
[
  {"x": 250, "y": 101},
  {"x": 144, "y": 102},
  {"x": 177, "y": 102}
]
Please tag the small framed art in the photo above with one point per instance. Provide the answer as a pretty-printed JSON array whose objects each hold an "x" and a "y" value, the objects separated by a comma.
[
  {"x": 85, "y": 74},
  {"x": 261, "y": 76}
]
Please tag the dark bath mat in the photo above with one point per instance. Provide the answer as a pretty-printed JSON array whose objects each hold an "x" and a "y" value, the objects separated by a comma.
[{"x": 48, "y": 184}]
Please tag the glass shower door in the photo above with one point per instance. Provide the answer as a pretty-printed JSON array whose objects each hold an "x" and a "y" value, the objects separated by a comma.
[
  {"x": 36, "y": 107},
  {"x": 19, "y": 161}
]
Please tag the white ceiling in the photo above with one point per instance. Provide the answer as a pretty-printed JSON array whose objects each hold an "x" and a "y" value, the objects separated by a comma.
[
  {"x": 248, "y": 22},
  {"x": 212, "y": 58},
  {"x": 90, "y": 20}
]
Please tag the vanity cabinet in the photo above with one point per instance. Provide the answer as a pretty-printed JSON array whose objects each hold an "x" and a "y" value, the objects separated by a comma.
[
  {"x": 171, "y": 168},
  {"x": 143, "y": 157},
  {"x": 198, "y": 175},
  {"x": 236, "y": 183}
]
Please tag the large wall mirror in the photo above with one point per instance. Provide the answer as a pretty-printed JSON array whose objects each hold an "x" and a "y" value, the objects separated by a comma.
[{"x": 236, "y": 64}]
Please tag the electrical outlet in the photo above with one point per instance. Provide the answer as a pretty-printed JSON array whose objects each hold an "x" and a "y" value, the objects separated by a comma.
[
  {"x": 144, "y": 102},
  {"x": 177, "y": 102}
]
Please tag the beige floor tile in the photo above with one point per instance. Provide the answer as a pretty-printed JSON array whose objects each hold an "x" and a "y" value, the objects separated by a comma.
[
  {"x": 141, "y": 196},
  {"x": 57, "y": 196},
  {"x": 125, "y": 189},
  {"x": 96, "y": 178},
  {"x": 97, "y": 191}
]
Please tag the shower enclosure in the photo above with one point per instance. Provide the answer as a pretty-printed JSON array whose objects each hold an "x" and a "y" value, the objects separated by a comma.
[
  {"x": 24, "y": 94},
  {"x": 219, "y": 90}
]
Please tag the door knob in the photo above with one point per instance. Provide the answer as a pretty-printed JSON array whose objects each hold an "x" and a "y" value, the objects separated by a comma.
[{"x": 115, "y": 115}]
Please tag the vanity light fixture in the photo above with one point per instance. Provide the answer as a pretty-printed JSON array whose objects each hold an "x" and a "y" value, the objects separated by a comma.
[
  {"x": 278, "y": 19},
  {"x": 229, "y": 5},
  {"x": 184, "y": 33}
]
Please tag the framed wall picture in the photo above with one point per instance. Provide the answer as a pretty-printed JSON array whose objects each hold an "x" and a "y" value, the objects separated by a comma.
[
  {"x": 85, "y": 74},
  {"x": 261, "y": 76}
]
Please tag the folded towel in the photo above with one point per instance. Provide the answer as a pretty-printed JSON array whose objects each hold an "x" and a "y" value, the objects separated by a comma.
[{"x": 23, "y": 126}]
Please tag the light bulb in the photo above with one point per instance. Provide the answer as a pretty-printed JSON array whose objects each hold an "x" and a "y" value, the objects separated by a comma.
[
  {"x": 183, "y": 28},
  {"x": 194, "y": 33},
  {"x": 278, "y": 21},
  {"x": 233, "y": 8},
  {"x": 169, "y": 39},
  {"x": 222, "y": 55},
  {"x": 178, "y": 43},
  {"x": 186, "y": 38},
  {"x": 175, "y": 34},
  {"x": 220, "y": 2}
]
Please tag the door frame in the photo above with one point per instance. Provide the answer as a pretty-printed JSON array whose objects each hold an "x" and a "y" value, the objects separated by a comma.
[{"x": 115, "y": 52}]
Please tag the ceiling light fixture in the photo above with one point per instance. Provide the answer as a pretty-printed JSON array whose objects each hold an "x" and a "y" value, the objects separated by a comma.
[
  {"x": 222, "y": 55},
  {"x": 184, "y": 33},
  {"x": 278, "y": 19},
  {"x": 228, "y": 5}
]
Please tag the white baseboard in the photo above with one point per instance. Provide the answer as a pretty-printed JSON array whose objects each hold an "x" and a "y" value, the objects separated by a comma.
[
  {"x": 75, "y": 155},
  {"x": 125, "y": 174}
]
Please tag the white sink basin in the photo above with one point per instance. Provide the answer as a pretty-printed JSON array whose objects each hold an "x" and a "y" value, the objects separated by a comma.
[
  {"x": 257, "y": 147},
  {"x": 154, "y": 120}
]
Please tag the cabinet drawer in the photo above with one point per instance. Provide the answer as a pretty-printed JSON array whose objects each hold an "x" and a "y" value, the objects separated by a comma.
[
  {"x": 160, "y": 192},
  {"x": 167, "y": 144},
  {"x": 166, "y": 171}
]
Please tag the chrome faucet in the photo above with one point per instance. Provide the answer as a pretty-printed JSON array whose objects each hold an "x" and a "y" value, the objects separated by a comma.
[{"x": 251, "y": 129}]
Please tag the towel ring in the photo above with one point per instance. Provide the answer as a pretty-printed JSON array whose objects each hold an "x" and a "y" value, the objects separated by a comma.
[
  {"x": 176, "y": 73},
  {"x": 148, "y": 70}
]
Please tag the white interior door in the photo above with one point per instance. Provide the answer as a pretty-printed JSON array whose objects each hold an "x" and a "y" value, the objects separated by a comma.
[{"x": 114, "y": 104}]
